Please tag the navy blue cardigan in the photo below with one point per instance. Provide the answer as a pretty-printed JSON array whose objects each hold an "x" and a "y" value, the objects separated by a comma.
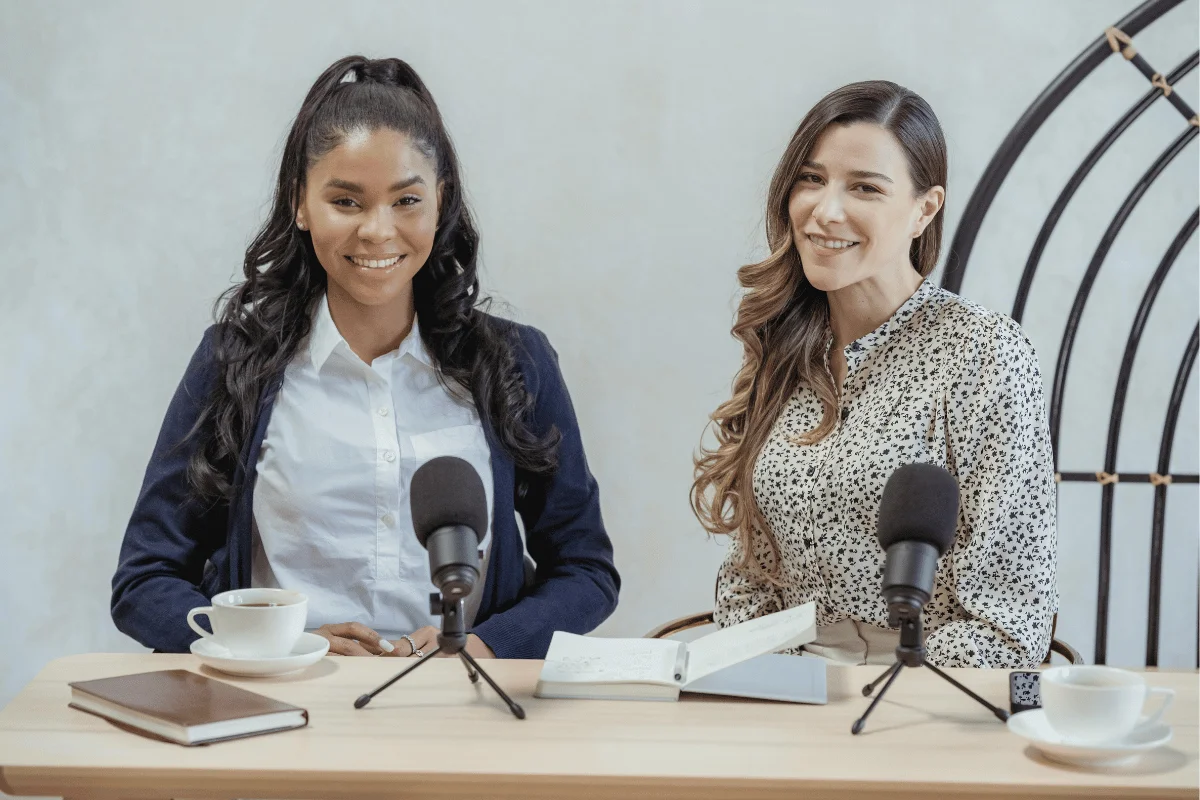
[{"x": 177, "y": 553}]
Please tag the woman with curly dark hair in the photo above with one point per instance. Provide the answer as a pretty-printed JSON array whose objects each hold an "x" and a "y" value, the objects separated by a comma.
[{"x": 356, "y": 349}]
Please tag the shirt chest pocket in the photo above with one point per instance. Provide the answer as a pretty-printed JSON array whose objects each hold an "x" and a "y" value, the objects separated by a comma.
[{"x": 463, "y": 441}]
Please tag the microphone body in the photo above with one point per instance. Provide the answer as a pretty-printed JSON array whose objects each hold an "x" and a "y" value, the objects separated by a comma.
[
  {"x": 918, "y": 516},
  {"x": 453, "y": 560},
  {"x": 450, "y": 516},
  {"x": 908, "y": 577}
]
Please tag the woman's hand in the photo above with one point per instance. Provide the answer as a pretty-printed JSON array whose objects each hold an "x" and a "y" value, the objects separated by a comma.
[
  {"x": 426, "y": 639},
  {"x": 353, "y": 639}
]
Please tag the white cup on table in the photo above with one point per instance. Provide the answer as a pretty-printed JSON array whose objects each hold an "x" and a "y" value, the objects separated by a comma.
[
  {"x": 1090, "y": 704},
  {"x": 254, "y": 623}
]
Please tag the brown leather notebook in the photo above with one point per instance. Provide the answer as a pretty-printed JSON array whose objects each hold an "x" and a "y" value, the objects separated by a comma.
[{"x": 184, "y": 707}]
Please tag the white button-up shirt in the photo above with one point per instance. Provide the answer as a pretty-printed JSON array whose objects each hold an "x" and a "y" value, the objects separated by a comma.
[{"x": 331, "y": 500}]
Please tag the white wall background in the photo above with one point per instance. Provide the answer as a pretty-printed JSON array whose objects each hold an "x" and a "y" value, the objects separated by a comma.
[{"x": 617, "y": 155}]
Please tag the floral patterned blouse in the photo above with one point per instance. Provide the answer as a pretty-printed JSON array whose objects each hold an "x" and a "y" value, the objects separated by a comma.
[{"x": 945, "y": 382}]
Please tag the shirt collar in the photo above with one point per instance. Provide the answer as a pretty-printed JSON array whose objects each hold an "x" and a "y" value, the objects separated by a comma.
[
  {"x": 857, "y": 351},
  {"x": 326, "y": 338}
]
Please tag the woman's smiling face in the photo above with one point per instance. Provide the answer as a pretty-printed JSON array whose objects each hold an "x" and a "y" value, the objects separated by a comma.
[
  {"x": 371, "y": 207},
  {"x": 853, "y": 210}
]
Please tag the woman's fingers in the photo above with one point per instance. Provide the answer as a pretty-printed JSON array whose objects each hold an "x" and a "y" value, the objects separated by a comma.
[
  {"x": 347, "y": 647},
  {"x": 426, "y": 638},
  {"x": 351, "y": 639}
]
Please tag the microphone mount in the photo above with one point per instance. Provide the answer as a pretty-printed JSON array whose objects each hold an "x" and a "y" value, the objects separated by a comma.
[
  {"x": 452, "y": 640},
  {"x": 911, "y": 653}
]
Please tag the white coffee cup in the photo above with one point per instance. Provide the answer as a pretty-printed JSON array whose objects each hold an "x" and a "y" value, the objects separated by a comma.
[
  {"x": 254, "y": 623},
  {"x": 1089, "y": 704}
]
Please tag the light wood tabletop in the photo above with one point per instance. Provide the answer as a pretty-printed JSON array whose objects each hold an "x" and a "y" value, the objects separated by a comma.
[{"x": 436, "y": 735}]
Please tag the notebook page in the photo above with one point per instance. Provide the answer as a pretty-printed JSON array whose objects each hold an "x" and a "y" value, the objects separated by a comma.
[
  {"x": 586, "y": 659},
  {"x": 737, "y": 643}
]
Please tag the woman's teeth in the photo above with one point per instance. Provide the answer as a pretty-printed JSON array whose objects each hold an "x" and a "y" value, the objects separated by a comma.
[
  {"x": 832, "y": 244},
  {"x": 368, "y": 263}
]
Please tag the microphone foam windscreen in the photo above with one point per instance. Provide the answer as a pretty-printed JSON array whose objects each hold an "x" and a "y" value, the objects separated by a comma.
[
  {"x": 920, "y": 503},
  {"x": 447, "y": 491}
]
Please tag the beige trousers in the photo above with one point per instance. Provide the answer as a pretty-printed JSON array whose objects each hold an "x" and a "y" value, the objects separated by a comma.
[{"x": 854, "y": 643}]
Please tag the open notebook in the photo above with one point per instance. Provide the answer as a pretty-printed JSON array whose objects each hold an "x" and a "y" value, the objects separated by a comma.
[{"x": 659, "y": 669}]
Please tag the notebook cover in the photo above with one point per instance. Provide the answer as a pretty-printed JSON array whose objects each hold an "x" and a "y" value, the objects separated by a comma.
[
  {"x": 791, "y": 679},
  {"x": 181, "y": 697}
]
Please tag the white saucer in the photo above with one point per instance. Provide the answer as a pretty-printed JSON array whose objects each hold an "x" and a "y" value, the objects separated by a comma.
[
  {"x": 1033, "y": 726},
  {"x": 309, "y": 649}
]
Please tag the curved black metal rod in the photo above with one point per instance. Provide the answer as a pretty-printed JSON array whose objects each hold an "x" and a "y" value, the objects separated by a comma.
[
  {"x": 1029, "y": 123},
  {"x": 1085, "y": 286},
  {"x": 1085, "y": 168},
  {"x": 1160, "y": 498},
  {"x": 1114, "y": 424}
]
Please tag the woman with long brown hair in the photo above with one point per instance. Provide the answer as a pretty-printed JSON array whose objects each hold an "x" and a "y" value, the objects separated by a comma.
[{"x": 854, "y": 364}]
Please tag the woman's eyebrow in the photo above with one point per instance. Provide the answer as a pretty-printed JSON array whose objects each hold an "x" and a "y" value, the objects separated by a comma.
[
  {"x": 858, "y": 173},
  {"x": 349, "y": 186}
]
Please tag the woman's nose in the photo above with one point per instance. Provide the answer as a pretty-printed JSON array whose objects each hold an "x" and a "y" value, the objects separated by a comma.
[
  {"x": 829, "y": 208},
  {"x": 377, "y": 226}
]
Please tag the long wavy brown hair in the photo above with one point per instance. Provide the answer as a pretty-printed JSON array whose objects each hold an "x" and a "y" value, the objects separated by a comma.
[{"x": 783, "y": 321}]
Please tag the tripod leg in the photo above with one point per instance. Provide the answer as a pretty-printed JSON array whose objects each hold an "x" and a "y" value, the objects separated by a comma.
[
  {"x": 859, "y": 723},
  {"x": 471, "y": 673},
  {"x": 1001, "y": 714},
  {"x": 366, "y": 698},
  {"x": 517, "y": 711},
  {"x": 870, "y": 687}
]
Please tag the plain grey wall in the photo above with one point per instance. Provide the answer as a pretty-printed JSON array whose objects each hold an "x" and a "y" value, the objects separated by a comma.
[{"x": 617, "y": 155}]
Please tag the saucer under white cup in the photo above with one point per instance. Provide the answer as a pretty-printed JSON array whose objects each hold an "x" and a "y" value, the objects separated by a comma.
[
  {"x": 1034, "y": 727},
  {"x": 1096, "y": 704},
  {"x": 254, "y": 623},
  {"x": 308, "y": 649}
]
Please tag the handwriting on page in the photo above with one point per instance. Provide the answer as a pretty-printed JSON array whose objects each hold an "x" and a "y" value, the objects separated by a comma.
[
  {"x": 583, "y": 659},
  {"x": 769, "y": 634}
]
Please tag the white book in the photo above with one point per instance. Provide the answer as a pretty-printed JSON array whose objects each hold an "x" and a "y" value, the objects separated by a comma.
[{"x": 659, "y": 669}]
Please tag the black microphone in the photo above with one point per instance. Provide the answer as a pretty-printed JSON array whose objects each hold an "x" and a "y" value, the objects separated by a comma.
[
  {"x": 918, "y": 516},
  {"x": 450, "y": 516}
]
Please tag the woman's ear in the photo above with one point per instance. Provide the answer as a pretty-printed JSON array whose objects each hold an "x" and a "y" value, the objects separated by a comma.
[
  {"x": 301, "y": 219},
  {"x": 930, "y": 204}
]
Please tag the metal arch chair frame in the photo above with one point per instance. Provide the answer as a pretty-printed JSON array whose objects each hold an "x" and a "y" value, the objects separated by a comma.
[
  {"x": 1116, "y": 39},
  {"x": 691, "y": 621}
]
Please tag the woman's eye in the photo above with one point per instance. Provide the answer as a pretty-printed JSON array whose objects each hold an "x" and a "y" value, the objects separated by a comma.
[
  {"x": 808, "y": 177},
  {"x": 408, "y": 200},
  {"x": 345, "y": 202},
  {"x": 868, "y": 189}
]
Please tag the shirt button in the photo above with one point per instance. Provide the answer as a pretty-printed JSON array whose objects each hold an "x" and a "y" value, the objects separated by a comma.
[
  {"x": 389, "y": 456},
  {"x": 845, "y": 413},
  {"x": 383, "y": 412},
  {"x": 811, "y": 471},
  {"x": 388, "y": 519}
]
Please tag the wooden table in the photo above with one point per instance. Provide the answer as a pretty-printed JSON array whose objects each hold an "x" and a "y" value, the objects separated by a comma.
[{"x": 435, "y": 735}]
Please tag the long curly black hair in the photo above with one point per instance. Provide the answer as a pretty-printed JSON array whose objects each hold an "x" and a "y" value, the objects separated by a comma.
[{"x": 263, "y": 320}]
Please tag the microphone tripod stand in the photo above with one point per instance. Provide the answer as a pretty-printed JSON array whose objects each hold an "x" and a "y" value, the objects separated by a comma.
[
  {"x": 911, "y": 653},
  {"x": 451, "y": 640}
]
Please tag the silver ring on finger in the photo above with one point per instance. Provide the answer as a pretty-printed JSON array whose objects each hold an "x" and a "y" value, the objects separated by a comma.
[{"x": 413, "y": 645}]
